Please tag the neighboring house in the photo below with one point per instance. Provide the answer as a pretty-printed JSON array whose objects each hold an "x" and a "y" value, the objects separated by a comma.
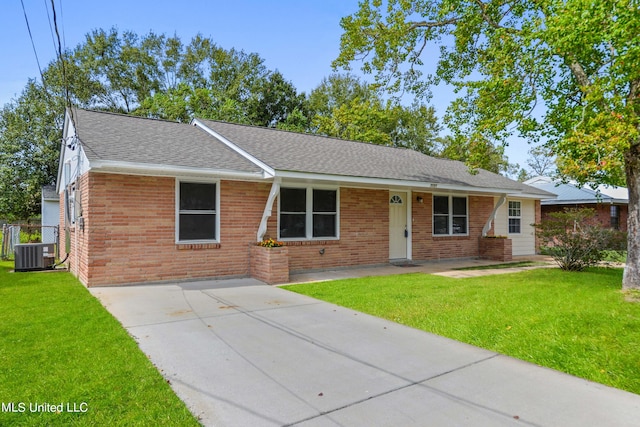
[
  {"x": 50, "y": 213},
  {"x": 611, "y": 204},
  {"x": 150, "y": 200}
]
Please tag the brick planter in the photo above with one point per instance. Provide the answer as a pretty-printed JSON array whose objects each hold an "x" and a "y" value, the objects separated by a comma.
[
  {"x": 270, "y": 265},
  {"x": 495, "y": 249}
]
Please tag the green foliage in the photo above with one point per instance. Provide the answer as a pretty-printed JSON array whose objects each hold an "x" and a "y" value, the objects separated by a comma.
[
  {"x": 483, "y": 155},
  {"x": 153, "y": 76},
  {"x": 563, "y": 71},
  {"x": 574, "y": 241},
  {"x": 30, "y": 134},
  {"x": 59, "y": 344},
  {"x": 579, "y": 59},
  {"x": 343, "y": 106},
  {"x": 580, "y": 324},
  {"x": 30, "y": 235}
]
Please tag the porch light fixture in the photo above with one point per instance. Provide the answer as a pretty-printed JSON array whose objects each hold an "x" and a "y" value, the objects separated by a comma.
[{"x": 420, "y": 199}]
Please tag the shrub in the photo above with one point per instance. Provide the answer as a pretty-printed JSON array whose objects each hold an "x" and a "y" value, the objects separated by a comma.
[{"x": 575, "y": 241}]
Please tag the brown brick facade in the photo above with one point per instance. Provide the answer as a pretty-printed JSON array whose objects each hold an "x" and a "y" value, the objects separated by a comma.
[
  {"x": 602, "y": 215},
  {"x": 129, "y": 232},
  {"x": 429, "y": 247}
]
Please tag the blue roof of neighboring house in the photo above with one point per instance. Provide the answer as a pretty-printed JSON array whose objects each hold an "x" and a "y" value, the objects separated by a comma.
[{"x": 568, "y": 193}]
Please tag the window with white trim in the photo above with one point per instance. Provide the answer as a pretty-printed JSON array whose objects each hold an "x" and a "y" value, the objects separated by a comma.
[
  {"x": 515, "y": 217},
  {"x": 450, "y": 215},
  {"x": 308, "y": 213},
  {"x": 197, "y": 212}
]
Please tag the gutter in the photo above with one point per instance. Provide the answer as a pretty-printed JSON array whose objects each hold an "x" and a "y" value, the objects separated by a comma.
[{"x": 109, "y": 166}]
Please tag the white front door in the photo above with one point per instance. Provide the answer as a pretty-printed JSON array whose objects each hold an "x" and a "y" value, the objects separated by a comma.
[{"x": 398, "y": 231}]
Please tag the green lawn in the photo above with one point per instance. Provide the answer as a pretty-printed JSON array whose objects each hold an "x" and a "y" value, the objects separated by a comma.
[
  {"x": 579, "y": 323},
  {"x": 58, "y": 345}
]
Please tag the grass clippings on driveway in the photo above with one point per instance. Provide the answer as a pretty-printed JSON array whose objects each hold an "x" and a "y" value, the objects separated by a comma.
[
  {"x": 578, "y": 323},
  {"x": 66, "y": 361}
]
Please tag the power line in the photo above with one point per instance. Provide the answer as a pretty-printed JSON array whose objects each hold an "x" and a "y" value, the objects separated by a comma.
[
  {"x": 65, "y": 83},
  {"x": 33, "y": 45},
  {"x": 53, "y": 37}
]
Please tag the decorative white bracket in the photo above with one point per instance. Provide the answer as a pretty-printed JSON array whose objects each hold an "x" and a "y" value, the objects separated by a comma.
[
  {"x": 487, "y": 226},
  {"x": 275, "y": 190}
]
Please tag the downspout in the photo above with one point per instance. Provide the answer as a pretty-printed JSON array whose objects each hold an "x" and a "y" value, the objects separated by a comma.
[
  {"x": 275, "y": 190},
  {"x": 487, "y": 226}
]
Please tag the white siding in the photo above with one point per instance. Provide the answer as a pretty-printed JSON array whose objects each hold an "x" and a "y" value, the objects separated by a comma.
[
  {"x": 524, "y": 242},
  {"x": 50, "y": 217}
]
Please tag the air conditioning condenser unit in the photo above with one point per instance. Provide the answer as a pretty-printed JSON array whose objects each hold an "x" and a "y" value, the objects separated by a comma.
[{"x": 34, "y": 256}]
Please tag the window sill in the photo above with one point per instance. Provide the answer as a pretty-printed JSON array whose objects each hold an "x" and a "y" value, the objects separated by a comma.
[
  {"x": 313, "y": 242},
  {"x": 197, "y": 246}
]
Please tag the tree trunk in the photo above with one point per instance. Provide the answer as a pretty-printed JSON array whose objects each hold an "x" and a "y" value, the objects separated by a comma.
[{"x": 631, "y": 277}]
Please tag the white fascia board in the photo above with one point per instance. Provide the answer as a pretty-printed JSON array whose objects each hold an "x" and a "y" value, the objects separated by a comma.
[
  {"x": 586, "y": 202},
  {"x": 269, "y": 171},
  {"x": 66, "y": 131},
  {"x": 397, "y": 183},
  {"x": 110, "y": 166}
]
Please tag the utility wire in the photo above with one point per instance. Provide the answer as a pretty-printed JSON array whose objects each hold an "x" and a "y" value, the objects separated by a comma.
[
  {"x": 33, "y": 45},
  {"x": 65, "y": 83},
  {"x": 53, "y": 37}
]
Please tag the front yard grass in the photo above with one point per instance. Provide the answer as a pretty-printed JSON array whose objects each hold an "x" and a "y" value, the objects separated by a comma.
[
  {"x": 578, "y": 323},
  {"x": 60, "y": 349}
]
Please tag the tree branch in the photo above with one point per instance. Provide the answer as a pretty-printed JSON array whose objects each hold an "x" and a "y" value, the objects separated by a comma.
[
  {"x": 634, "y": 92},
  {"x": 433, "y": 24},
  {"x": 489, "y": 20},
  {"x": 578, "y": 72}
]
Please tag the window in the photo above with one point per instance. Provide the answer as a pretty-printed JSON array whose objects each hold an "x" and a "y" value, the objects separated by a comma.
[
  {"x": 515, "y": 217},
  {"x": 197, "y": 217},
  {"x": 615, "y": 217},
  {"x": 449, "y": 215},
  {"x": 308, "y": 213}
]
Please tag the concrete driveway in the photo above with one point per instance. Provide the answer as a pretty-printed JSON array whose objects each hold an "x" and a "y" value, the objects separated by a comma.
[{"x": 241, "y": 353}]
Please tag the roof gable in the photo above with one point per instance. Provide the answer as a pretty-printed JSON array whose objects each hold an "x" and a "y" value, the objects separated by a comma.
[{"x": 118, "y": 138}]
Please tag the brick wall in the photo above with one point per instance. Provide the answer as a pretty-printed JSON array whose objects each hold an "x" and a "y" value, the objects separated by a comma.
[
  {"x": 270, "y": 265},
  {"x": 495, "y": 249},
  {"x": 77, "y": 260},
  {"x": 364, "y": 229},
  {"x": 602, "y": 213},
  {"x": 429, "y": 247},
  {"x": 129, "y": 232}
]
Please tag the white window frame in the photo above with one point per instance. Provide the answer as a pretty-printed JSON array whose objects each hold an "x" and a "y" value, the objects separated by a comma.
[
  {"x": 216, "y": 239},
  {"x": 510, "y": 216},
  {"x": 450, "y": 214},
  {"x": 309, "y": 213}
]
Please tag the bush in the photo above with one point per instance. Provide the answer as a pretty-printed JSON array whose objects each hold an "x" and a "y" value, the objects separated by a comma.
[{"x": 575, "y": 241}]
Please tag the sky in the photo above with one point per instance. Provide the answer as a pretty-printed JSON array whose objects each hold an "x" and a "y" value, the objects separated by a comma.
[{"x": 300, "y": 38}]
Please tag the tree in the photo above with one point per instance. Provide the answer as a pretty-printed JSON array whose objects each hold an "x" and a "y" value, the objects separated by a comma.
[
  {"x": 577, "y": 59},
  {"x": 153, "y": 76},
  {"x": 272, "y": 100},
  {"x": 541, "y": 161},
  {"x": 344, "y": 106},
  {"x": 486, "y": 156},
  {"x": 30, "y": 133}
]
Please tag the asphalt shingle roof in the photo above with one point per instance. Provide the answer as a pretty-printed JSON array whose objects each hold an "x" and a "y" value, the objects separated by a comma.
[
  {"x": 291, "y": 151},
  {"x": 134, "y": 140},
  {"x": 122, "y": 138}
]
